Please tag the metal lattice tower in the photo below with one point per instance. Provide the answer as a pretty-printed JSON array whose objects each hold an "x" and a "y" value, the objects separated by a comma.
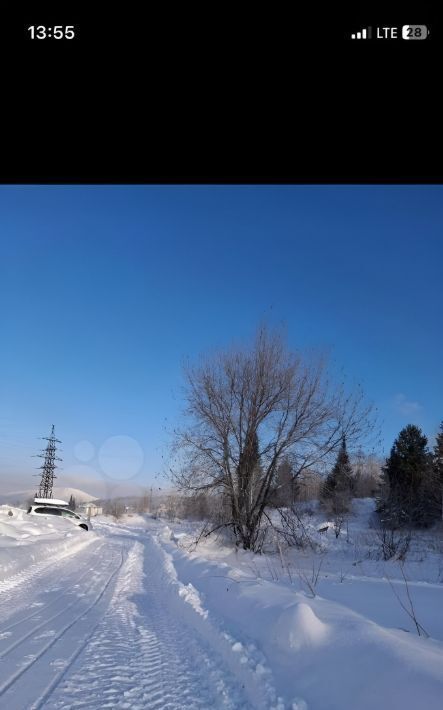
[{"x": 49, "y": 466}]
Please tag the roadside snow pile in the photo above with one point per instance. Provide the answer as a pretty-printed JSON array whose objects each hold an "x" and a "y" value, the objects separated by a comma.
[
  {"x": 319, "y": 653},
  {"x": 29, "y": 540}
]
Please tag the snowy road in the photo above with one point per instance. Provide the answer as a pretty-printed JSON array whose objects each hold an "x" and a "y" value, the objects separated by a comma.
[
  {"x": 97, "y": 630},
  {"x": 130, "y": 616}
]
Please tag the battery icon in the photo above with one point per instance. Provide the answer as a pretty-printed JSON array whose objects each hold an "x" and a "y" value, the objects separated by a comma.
[{"x": 414, "y": 32}]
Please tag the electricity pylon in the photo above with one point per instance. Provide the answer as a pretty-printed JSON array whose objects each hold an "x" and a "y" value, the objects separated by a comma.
[{"x": 49, "y": 466}]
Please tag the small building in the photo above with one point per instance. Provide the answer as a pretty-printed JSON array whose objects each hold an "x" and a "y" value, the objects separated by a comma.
[{"x": 90, "y": 509}]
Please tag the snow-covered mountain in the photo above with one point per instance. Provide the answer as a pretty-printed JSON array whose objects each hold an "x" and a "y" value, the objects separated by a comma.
[{"x": 57, "y": 492}]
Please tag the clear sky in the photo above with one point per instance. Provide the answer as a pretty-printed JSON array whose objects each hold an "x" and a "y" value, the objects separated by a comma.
[{"x": 105, "y": 289}]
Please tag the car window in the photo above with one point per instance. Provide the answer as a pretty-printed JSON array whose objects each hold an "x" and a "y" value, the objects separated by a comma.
[
  {"x": 48, "y": 511},
  {"x": 68, "y": 514}
]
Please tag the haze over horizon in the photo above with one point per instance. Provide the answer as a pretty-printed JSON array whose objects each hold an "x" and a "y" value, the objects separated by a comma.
[{"x": 106, "y": 289}]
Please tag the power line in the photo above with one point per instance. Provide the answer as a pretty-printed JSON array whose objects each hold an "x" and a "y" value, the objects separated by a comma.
[{"x": 48, "y": 467}]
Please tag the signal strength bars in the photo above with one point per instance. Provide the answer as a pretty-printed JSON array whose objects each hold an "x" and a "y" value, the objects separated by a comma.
[{"x": 365, "y": 33}]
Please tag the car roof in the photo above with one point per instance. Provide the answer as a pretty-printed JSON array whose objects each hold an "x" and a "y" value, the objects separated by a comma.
[{"x": 51, "y": 501}]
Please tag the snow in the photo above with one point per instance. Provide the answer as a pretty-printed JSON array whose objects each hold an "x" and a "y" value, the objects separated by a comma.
[
  {"x": 29, "y": 542},
  {"x": 298, "y": 628},
  {"x": 327, "y": 650},
  {"x": 50, "y": 501},
  {"x": 132, "y": 615}
]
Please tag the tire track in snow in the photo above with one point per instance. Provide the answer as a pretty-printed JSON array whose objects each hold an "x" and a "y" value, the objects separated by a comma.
[
  {"x": 78, "y": 601},
  {"x": 143, "y": 656},
  {"x": 25, "y": 576},
  {"x": 244, "y": 660},
  {"x": 28, "y": 667},
  {"x": 42, "y": 608}
]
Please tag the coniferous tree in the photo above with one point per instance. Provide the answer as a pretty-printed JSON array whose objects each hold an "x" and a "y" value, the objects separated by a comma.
[
  {"x": 357, "y": 470},
  {"x": 256, "y": 469},
  {"x": 438, "y": 465},
  {"x": 249, "y": 473},
  {"x": 409, "y": 481},
  {"x": 72, "y": 503},
  {"x": 339, "y": 484},
  {"x": 286, "y": 485}
]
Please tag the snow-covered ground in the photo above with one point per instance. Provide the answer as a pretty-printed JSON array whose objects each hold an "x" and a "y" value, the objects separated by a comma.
[{"x": 133, "y": 615}]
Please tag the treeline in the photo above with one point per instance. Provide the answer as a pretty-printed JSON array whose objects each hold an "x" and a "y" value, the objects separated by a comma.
[
  {"x": 290, "y": 488},
  {"x": 408, "y": 486},
  {"x": 410, "y": 489},
  {"x": 351, "y": 477}
]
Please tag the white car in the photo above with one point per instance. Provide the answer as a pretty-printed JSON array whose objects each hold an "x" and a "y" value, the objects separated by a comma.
[{"x": 47, "y": 510}]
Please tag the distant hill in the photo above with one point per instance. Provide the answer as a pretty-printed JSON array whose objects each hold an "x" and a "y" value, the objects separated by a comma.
[{"x": 57, "y": 492}]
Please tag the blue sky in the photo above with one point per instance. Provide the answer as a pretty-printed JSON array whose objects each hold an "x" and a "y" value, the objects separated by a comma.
[{"x": 105, "y": 289}]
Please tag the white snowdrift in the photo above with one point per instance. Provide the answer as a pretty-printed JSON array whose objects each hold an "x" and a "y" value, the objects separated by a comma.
[
  {"x": 31, "y": 541},
  {"x": 297, "y": 628},
  {"x": 321, "y": 654}
]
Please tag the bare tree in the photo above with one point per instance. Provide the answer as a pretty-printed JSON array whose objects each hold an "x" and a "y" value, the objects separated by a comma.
[
  {"x": 309, "y": 484},
  {"x": 367, "y": 471},
  {"x": 293, "y": 530},
  {"x": 311, "y": 581},
  {"x": 115, "y": 508},
  {"x": 196, "y": 506},
  {"x": 143, "y": 502},
  {"x": 409, "y": 608},
  {"x": 171, "y": 506},
  {"x": 247, "y": 411},
  {"x": 392, "y": 543}
]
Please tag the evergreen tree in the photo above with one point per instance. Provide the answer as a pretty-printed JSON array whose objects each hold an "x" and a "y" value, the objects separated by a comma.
[
  {"x": 357, "y": 470},
  {"x": 249, "y": 473},
  {"x": 72, "y": 504},
  {"x": 286, "y": 485},
  {"x": 438, "y": 466},
  {"x": 409, "y": 481},
  {"x": 256, "y": 470},
  {"x": 339, "y": 484}
]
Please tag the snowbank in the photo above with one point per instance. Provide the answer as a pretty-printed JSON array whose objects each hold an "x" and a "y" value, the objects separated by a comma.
[
  {"x": 321, "y": 653},
  {"x": 27, "y": 540}
]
